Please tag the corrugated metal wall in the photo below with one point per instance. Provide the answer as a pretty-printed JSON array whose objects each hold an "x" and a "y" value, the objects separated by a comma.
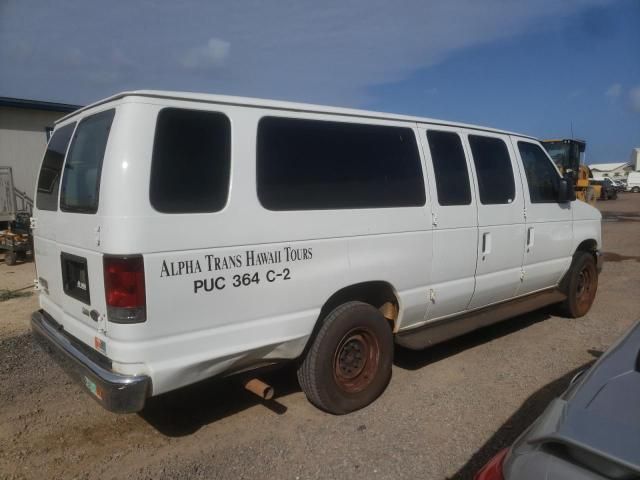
[{"x": 22, "y": 143}]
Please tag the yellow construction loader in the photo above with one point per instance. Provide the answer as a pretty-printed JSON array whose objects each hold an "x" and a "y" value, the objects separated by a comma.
[{"x": 567, "y": 153}]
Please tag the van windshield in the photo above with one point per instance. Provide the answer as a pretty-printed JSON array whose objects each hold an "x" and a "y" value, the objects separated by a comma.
[{"x": 81, "y": 176}]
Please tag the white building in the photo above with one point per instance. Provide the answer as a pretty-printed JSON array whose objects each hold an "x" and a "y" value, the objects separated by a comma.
[
  {"x": 617, "y": 171},
  {"x": 23, "y": 137}
]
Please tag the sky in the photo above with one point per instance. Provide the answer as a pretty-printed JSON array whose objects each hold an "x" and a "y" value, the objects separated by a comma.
[{"x": 547, "y": 68}]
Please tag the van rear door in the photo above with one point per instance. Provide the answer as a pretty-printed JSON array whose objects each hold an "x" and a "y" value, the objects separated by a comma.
[
  {"x": 501, "y": 225},
  {"x": 68, "y": 261},
  {"x": 455, "y": 221}
]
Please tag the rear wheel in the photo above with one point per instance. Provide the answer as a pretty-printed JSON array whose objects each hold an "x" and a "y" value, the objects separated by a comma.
[
  {"x": 635, "y": 189},
  {"x": 349, "y": 362},
  {"x": 580, "y": 286}
]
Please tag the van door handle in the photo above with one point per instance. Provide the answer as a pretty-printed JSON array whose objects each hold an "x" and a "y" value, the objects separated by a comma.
[
  {"x": 486, "y": 243},
  {"x": 530, "y": 238}
]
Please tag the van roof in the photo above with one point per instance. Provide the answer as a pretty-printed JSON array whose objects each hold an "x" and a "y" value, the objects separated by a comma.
[{"x": 282, "y": 105}]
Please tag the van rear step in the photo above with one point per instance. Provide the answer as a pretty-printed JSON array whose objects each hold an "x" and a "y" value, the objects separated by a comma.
[{"x": 116, "y": 392}]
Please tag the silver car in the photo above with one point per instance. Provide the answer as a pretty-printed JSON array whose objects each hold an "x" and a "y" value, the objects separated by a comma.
[{"x": 591, "y": 432}]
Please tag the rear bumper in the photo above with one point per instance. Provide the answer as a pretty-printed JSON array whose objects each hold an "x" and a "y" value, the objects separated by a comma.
[{"x": 116, "y": 392}]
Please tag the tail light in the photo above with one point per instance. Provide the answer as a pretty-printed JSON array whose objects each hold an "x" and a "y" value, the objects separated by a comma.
[
  {"x": 124, "y": 289},
  {"x": 493, "y": 469}
]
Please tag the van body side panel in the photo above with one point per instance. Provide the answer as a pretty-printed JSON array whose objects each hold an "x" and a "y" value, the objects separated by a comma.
[
  {"x": 586, "y": 229},
  {"x": 587, "y": 224},
  {"x": 402, "y": 260},
  {"x": 242, "y": 311},
  {"x": 243, "y": 286},
  {"x": 132, "y": 225},
  {"x": 227, "y": 308}
]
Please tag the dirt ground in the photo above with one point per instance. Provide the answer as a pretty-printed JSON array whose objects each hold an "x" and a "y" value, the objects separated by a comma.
[{"x": 447, "y": 410}]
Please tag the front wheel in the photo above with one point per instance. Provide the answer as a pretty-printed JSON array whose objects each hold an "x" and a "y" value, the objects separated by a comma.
[
  {"x": 580, "y": 286},
  {"x": 349, "y": 362},
  {"x": 635, "y": 189}
]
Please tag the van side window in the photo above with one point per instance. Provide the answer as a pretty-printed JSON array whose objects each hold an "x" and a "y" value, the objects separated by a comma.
[
  {"x": 320, "y": 165},
  {"x": 81, "y": 175},
  {"x": 450, "y": 168},
  {"x": 191, "y": 161},
  {"x": 493, "y": 168},
  {"x": 542, "y": 177},
  {"x": 49, "y": 178}
]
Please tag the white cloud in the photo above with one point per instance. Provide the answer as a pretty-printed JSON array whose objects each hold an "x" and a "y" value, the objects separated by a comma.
[
  {"x": 634, "y": 98},
  {"x": 614, "y": 90},
  {"x": 213, "y": 54}
]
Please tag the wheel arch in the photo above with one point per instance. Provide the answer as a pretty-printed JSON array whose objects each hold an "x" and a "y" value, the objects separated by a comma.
[
  {"x": 590, "y": 245},
  {"x": 379, "y": 293}
]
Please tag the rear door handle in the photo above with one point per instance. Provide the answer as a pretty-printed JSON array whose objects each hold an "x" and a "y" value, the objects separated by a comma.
[
  {"x": 530, "y": 237},
  {"x": 486, "y": 243}
]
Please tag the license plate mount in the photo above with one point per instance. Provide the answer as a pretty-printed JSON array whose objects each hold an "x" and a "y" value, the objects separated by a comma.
[{"x": 75, "y": 277}]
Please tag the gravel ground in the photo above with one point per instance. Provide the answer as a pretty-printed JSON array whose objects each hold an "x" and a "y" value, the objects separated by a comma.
[{"x": 446, "y": 411}]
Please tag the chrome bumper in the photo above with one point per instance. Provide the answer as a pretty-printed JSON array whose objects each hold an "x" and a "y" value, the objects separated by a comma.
[
  {"x": 116, "y": 392},
  {"x": 599, "y": 260}
]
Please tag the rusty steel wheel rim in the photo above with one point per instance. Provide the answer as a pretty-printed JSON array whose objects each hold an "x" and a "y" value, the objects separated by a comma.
[
  {"x": 356, "y": 360},
  {"x": 585, "y": 289}
]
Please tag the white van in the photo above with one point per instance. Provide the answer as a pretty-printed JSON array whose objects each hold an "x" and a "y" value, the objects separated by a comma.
[
  {"x": 182, "y": 236},
  {"x": 633, "y": 182}
]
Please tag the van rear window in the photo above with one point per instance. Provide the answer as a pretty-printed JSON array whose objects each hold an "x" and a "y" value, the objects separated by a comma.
[
  {"x": 49, "y": 178},
  {"x": 450, "y": 168},
  {"x": 81, "y": 176},
  {"x": 191, "y": 161},
  {"x": 321, "y": 165}
]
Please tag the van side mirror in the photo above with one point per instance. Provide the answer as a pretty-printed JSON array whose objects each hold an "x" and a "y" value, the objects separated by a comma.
[{"x": 566, "y": 190}]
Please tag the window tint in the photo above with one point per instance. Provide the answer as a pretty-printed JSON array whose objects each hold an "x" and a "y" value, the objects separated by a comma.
[
  {"x": 493, "y": 168},
  {"x": 315, "y": 165},
  {"x": 191, "y": 161},
  {"x": 542, "y": 177},
  {"x": 450, "y": 167},
  {"x": 81, "y": 176},
  {"x": 49, "y": 178}
]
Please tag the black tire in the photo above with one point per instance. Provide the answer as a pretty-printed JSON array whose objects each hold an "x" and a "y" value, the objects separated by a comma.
[
  {"x": 10, "y": 258},
  {"x": 635, "y": 189},
  {"x": 580, "y": 285},
  {"x": 333, "y": 375}
]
